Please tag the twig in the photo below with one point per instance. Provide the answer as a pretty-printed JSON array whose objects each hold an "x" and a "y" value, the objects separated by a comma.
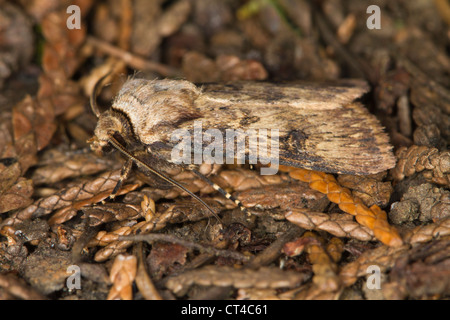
[
  {"x": 443, "y": 8},
  {"x": 169, "y": 238},
  {"x": 132, "y": 60},
  {"x": 126, "y": 21},
  {"x": 143, "y": 281},
  {"x": 274, "y": 250},
  {"x": 284, "y": 16},
  {"x": 355, "y": 64},
  {"x": 19, "y": 288}
]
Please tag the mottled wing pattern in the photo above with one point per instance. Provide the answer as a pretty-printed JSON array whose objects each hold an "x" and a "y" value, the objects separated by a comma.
[{"x": 320, "y": 126}]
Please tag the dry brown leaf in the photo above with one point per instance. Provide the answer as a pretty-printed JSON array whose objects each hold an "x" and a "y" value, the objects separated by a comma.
[
  {"x": 24, "y": 133},
  {"x": 18, "y": 196},
  {"x": 60, "y": 59},
  {"x": 16, "y": 40},
  {"x": 9, "y": 175},
  {"x": 151, "y": 24},
  {"x": 199, "y": 68},
  {"x": 165, "y": 258}
]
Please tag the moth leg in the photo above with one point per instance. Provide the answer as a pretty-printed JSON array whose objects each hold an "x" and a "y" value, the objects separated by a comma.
[
  {"x": 223, "y": 192},
  {"x": 124, "y": 174}
]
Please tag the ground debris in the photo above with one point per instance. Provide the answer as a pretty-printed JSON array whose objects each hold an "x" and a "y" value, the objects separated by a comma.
[
  {"x": 46, "y": 269},
  {"x": 122, "y": 275},
  {"x": 426, "y": 233},
  {"x": 12, "y": 287},
  {"x": 424, "y": 202},
  {"x": 424, "y": 272},
  {"x": 16, "y": 40},
  {"x": 384, "y": 257},
  {"x": 303, "y": 234},
  {"x": 326, "y": 284},
  {"x": 223, "y": 276},
  {"x": 336, "y": 224},
  {"x": 374, "y": 218},
  {"x": 435, "y": 165}
]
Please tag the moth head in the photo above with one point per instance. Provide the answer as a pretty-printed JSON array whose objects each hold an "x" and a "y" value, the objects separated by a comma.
[{"x": 108, "y": 125}]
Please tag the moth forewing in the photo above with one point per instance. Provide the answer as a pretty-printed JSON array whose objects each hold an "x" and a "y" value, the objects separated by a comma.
[
  {"x": 320, "y": 126},
  {"x": 313, "y": 126}
]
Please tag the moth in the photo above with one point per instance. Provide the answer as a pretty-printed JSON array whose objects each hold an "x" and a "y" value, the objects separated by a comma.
[{"x": 319, "y": 126}]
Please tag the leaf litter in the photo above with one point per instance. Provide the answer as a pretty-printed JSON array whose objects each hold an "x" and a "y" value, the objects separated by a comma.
[{"x": 54, "y": 206}]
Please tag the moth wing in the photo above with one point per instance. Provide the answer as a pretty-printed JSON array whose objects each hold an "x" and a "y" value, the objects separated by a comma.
[{"x": 315, "y": 126}]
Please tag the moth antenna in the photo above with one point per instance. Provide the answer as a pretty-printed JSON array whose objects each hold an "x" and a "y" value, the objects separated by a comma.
[
  {"x": 119, "y": 147},
  {"x": 223, "y": 192},
  {"x": 93, "y": 98}
]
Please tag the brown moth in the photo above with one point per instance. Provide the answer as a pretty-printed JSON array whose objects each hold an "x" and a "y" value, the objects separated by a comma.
[{"x": 319, "y": 126}]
